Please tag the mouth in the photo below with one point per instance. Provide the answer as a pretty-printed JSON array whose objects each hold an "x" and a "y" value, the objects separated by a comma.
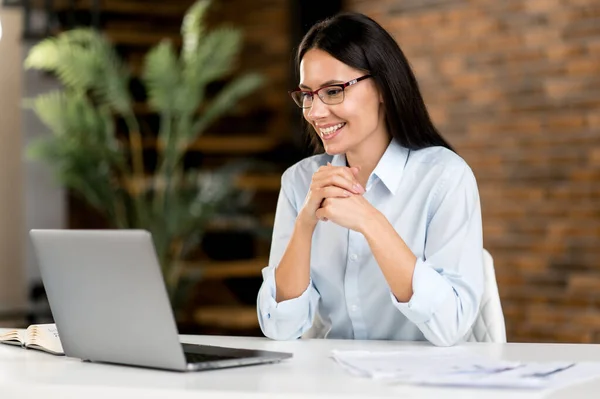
[{"x": 331, "y": 131}]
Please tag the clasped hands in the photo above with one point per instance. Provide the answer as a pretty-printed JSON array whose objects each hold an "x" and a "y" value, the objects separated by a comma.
[{"x": 336, "y": 195}]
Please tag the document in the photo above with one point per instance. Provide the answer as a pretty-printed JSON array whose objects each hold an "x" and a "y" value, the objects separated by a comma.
[{"x": 460, "y": 367}]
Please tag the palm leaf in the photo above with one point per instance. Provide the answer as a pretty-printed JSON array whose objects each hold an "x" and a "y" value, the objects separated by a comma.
[
  {"x": 192, "y": 28},
  {"x": 84, "y": 61},
  {"x": 214, "y": 57},
  {"x": 162, "y": 77},
  {"x": 45, "y": 55},
  {"x": 224, "y": 101}
]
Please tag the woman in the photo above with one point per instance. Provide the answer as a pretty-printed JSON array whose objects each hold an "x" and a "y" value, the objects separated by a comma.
[{"x": 379, "y": 237}]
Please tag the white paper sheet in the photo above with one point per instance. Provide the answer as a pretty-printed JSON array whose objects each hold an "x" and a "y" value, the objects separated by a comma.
[{"x": 460, "y": 367}]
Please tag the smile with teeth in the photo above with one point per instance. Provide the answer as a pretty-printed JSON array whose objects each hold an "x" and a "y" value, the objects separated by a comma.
[{"x": 331, "y": 129}]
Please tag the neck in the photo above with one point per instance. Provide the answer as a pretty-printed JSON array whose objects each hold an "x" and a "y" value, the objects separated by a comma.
[{"x": 367, "y": 155}]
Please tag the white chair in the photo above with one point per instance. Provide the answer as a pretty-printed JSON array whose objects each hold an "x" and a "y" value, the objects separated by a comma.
[{"x": 489, "y": 325}]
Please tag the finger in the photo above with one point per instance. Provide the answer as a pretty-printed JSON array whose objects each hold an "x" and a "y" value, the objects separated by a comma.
[
  {"x": 352, "y": 174},
  {"x": 334, "y": 192},
  {"x": 342, "y": 179},
  {"x": 343, "y": 182},
  {"x": 327, "y": 202},
  {"x": 324, "y": 177},
  {"x": 321, "y": 215}
]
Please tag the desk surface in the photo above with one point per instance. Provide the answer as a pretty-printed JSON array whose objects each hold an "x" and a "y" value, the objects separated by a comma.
[{"x": 311, "y": 373}]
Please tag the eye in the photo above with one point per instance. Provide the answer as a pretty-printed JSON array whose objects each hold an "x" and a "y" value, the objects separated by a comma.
[{"x": 333, "y": 91}]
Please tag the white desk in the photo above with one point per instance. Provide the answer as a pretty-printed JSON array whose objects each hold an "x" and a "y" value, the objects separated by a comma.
[{"x": 311, "y": 373}]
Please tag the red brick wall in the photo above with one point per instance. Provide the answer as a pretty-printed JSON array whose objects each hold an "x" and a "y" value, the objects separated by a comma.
[{"x": 515, "y": 86}]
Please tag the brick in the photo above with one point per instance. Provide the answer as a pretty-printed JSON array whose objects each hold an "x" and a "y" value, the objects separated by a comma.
[
  {"x": 540, "y": 37},
  {"x": 584, "y": 67},
  {"x": 543, "y": 5},
  {"x": 594, "y": 157},
  {"x": 564, "y": 51},
  {"x": 514, "y": 87}
]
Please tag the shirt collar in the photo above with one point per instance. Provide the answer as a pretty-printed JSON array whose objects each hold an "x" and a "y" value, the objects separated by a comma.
[{"x": 389, "y": 168}]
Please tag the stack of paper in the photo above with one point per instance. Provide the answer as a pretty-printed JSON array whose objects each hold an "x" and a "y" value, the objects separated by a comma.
[{"x": 458, "y": 366}]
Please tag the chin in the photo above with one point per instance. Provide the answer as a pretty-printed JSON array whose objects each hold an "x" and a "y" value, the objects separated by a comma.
[{"x": 334, "y": 149}]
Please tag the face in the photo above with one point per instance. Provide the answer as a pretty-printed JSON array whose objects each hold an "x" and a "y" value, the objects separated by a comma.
[{"x": 345, "y": 126}]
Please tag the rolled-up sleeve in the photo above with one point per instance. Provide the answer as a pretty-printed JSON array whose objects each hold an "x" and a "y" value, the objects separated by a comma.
[
  {"x": 448, "y": 281},
  {"x": 291, "y": 318}
]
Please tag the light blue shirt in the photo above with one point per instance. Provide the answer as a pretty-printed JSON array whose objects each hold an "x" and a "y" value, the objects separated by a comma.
[{"x": 430, "y": 196}]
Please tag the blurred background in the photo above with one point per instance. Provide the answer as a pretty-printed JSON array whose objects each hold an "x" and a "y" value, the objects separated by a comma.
[{"x": 514, "y": 85}]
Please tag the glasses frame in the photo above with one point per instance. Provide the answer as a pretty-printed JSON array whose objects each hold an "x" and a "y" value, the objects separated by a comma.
[{"x": 340, "y": 85}]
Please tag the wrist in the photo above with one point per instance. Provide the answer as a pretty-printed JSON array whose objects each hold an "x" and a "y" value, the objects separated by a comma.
[
  {"x": 305, "y": 227},
  {"x": 373, "y": 223}
]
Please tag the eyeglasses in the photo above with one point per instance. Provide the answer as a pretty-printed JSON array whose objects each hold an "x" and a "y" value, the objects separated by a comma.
[{"x": 330, "y": 95}]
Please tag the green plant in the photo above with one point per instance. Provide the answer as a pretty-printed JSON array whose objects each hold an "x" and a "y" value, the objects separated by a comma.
[{"x": 89, "y": 158}]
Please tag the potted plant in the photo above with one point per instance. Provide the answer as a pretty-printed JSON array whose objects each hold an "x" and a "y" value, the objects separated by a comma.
[{"x": 89, "y": 158}]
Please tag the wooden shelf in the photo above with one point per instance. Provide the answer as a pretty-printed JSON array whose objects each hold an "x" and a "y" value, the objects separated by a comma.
[
  {"x": 241, "y": 223},
  {"x": 132, "y": 37},
  {"x": 218, "y": 270},
  {"x": 262, "y": 182},
  {"x": 238, "y": 144},
  {"x": 131, "y": 7},
  {"x": 229, "y": 317}
]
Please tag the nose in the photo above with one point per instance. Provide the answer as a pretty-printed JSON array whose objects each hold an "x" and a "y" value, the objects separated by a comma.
[{"x": 318, "y": 110}]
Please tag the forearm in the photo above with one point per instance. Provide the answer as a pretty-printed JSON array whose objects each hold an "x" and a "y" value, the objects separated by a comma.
[
  {"x": 394, "y": 257},
  {"x": 292, "y": 275}
]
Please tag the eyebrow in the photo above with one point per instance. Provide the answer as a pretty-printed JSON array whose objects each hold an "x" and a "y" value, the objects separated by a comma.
[{"x": 329, "y": 82}]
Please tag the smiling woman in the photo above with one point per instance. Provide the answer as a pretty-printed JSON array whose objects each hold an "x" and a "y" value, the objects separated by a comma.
[{"x": 380, "y": 236}]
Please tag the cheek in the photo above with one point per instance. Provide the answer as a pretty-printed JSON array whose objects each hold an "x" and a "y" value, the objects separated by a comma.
[
  {"x": 306, "y": 116},
  {"x": 359, "y": 114}
]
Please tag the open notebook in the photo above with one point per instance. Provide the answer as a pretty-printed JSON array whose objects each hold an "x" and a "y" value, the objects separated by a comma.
[{"x": 42, "y": 337}]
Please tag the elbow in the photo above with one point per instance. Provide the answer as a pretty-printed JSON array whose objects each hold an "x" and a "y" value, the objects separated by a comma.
[
  {"x": 279, "y": 331},
  {"x": 446, "y": 340},
  {"x": 279, "y": 328},
  {"x": 450, "y": 334}
]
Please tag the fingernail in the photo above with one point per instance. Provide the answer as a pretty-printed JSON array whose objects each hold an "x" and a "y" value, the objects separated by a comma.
[
  {"x": 359, "y": 188},
  {"x": 347, "y": 193}
]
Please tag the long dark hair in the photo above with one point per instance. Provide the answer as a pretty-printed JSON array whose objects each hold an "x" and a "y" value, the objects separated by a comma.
[{"x": 360, "y": 42}]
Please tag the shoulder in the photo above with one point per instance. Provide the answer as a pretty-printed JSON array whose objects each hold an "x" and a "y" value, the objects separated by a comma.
[
  {"x": 444, "y": 173},
  {"x": 438, "y": 164},
  {"x": 437, "y": 157}
]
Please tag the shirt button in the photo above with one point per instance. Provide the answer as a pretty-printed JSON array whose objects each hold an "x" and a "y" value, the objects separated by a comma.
[{"x": 353, "y": 257}]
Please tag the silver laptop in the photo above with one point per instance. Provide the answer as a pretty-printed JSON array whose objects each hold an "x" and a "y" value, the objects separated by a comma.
[{"x": 110, "y": 304}]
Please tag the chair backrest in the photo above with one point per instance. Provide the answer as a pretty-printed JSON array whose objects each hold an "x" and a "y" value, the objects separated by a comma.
[{"x": 489, "y": 325}]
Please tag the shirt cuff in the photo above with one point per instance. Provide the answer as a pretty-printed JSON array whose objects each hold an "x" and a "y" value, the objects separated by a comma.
[
  {"x": 271, "y": 310},
  {"x": 430, "y": 291}
]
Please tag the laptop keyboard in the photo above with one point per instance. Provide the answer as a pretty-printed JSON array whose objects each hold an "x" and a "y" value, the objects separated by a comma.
[{"x": 204, "y": 357}]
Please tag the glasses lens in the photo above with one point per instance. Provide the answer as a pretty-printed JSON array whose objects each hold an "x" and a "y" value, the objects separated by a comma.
[
  {"x": 332, "y": 95},
  {"x": 303, "y": 99}
]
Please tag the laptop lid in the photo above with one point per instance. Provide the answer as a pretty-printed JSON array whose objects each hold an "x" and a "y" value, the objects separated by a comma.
[{"x": 108, "y": 297}]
